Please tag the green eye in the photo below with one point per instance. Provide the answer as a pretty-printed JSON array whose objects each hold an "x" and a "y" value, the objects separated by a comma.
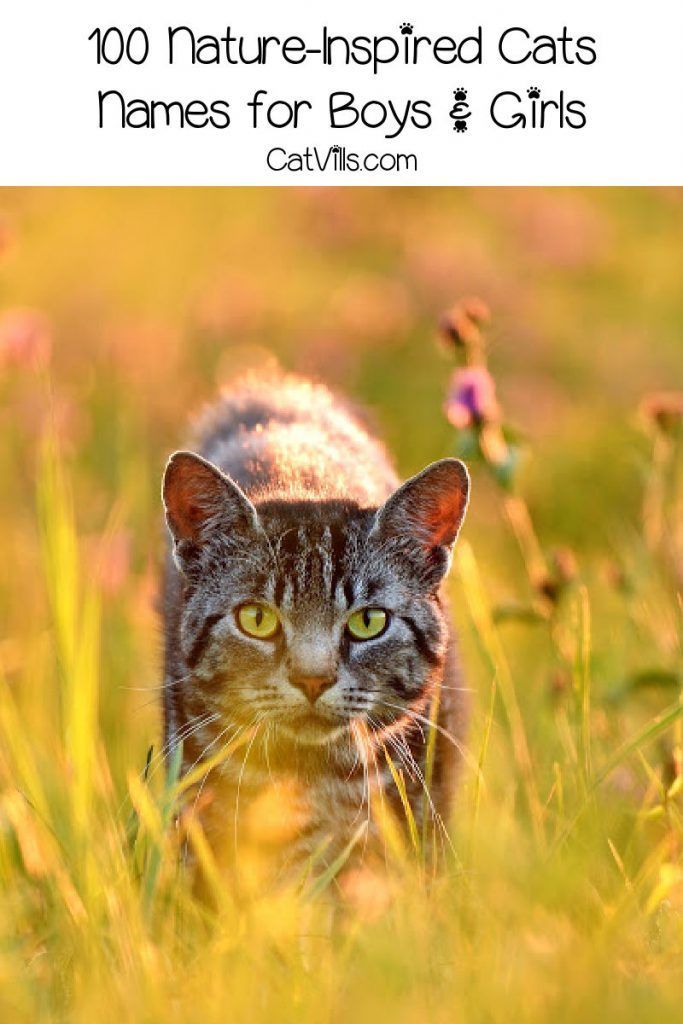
[
  {"x": 258, "y": 620},
  {"x": 367, "y": 623}
]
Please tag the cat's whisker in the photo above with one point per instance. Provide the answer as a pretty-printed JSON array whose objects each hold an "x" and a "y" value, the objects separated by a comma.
[
  {"x": 184, "y": 734},
  {"x": 256, "y": 725},
  {"x": 356, "y": 758},
  {"x": 360, "y": 738},
  {"x": 148, "y": 772},
  {"x": 155, "y": 689},
  {"x": 370, "y": 756},
  {"x": 396, "y": 743},
  {"x": 195, "y": 803},
  {"x": 191, "y": 727},
  {"x": 467, "y": 755},
  {"x": 381, "y": 788},
  {"x": 147, "y": 689},
  {"x": 456, "y": 689},
  {"x": 266, "y": 754},
  {"x": 168, "y": 684},
  {"x": 212, "y": 743}
]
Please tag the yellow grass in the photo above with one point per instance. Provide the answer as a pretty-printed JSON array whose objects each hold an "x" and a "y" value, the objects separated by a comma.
[{"x": 562, "y": 896}]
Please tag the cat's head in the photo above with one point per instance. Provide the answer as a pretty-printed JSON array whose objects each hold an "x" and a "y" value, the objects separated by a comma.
[{"x": 312, "y": 615}]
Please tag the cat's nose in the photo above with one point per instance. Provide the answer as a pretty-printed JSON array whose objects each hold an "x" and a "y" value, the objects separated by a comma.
[{"x": 311, "y": 686}]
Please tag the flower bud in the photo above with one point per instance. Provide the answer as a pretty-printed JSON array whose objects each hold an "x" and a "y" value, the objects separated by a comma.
[
  {"x": 663, "y": 410},
  {"x": 459, "y": 326}
]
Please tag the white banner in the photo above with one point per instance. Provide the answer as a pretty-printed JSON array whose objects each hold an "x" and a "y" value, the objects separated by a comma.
[{"x": 210, "y": 93}]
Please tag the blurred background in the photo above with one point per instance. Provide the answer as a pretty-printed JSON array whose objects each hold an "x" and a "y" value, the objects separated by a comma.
[{"x": 123, "y": 311}]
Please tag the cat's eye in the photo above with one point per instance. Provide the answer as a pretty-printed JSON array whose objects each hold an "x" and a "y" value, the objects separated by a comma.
[
  {"x": 258, "y": 620},
  {"x": 367, "y": 623}
]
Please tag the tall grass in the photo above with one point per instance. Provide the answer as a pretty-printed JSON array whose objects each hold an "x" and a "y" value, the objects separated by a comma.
[
  {"x": 561, "y": 899},
  {"x": 562, "y": 894}
]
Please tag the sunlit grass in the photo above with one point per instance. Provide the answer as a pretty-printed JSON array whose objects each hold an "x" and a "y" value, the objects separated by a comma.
[{"x": 561, "y": 898}]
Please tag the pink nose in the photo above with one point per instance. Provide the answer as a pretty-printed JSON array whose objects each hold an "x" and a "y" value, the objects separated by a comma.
[{"x": 311, "y": 686}]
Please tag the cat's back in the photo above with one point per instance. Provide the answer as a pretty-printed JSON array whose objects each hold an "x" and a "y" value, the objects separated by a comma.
[{"x": 284, "y": 437}]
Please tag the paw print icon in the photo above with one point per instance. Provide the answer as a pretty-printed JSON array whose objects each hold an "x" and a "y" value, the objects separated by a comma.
[
  {"x": 533, "y": 92},
  {"x": 460, "y": 111},
  {"x": 406, "y": 28}
]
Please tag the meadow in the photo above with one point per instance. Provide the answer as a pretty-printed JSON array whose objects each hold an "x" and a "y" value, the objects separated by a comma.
[{"x": 538, "y": 334}]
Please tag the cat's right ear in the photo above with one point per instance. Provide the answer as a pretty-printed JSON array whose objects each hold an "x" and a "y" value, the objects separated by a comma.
[{"x": 200, "y": 502}]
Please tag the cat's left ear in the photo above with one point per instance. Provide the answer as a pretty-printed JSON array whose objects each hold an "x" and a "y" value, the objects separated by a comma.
[{"x": 425, "y": 515}]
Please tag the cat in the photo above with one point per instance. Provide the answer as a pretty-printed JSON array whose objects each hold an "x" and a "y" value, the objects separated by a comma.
[{"x": 305, "y": 623}]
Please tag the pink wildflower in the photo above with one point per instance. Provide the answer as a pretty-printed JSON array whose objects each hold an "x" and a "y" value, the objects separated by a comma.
[
  {"x": 25, "y": 338},
  {"x": 471, "y": 398}
]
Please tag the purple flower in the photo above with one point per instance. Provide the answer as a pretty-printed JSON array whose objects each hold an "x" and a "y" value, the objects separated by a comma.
[{"x": 471, "y": 398}]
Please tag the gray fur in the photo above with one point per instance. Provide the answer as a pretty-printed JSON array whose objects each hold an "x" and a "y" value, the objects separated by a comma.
[{"x": 286, "y": 499}]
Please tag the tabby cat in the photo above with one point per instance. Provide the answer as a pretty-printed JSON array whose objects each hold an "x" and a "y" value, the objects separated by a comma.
[{"x": 305, "y": 625}]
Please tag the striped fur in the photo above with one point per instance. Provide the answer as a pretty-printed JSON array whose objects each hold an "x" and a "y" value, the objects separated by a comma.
[{"x": 294, "y": 504}]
